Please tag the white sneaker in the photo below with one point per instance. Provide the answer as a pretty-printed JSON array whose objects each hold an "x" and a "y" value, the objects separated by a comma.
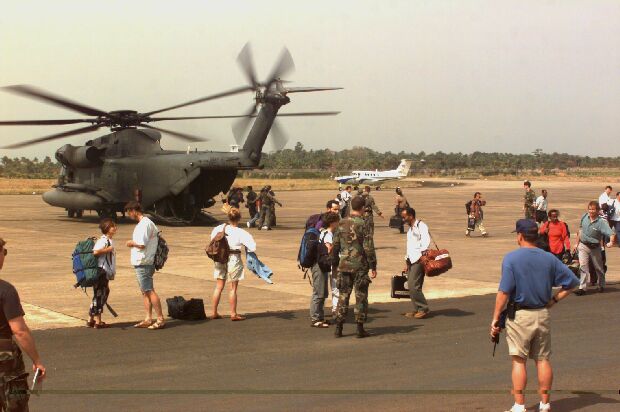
[{"x": 265, "y": 228}]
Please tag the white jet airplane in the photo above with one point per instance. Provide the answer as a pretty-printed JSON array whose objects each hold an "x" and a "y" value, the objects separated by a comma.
[{"x": 365, "y": 177}]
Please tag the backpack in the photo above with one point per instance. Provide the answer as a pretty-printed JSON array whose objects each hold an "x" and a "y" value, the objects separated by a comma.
[
  {"x": 308, "y": 249},
  {"x": 85, "y": 264},
  {"x": 161, "y": 253},
  {"x": 218, "y": 249},
  {"x": 179, "y": 308},
  {"x": 313, "y": 220},
  {"x": 323, "y": 257}
]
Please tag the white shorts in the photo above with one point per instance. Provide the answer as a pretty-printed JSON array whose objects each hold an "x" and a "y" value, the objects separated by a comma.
[{"x": 232, "y": 271}]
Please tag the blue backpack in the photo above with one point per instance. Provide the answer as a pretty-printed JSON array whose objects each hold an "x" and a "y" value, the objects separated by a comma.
[
  {"x": 308, "y": 250},
  {"x": 85, "y": 264}
]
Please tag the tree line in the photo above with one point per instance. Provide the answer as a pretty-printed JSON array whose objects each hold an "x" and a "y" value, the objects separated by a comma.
[{"x": 302, "y": 163}]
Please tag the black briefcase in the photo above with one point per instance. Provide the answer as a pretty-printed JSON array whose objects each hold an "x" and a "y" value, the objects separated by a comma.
[
  {"x": 396, "y": 222},
  {"x": 179, "y": 308},
  {"x": 399, "y": 289}
]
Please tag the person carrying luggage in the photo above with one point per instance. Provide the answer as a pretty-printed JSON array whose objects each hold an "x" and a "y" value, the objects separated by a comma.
[
  {"x": 557, "y": 235},
  {"x": 106, "y": 259},
  {"x": 475, "y": 215},
  {"x": 400, "y": 204}
]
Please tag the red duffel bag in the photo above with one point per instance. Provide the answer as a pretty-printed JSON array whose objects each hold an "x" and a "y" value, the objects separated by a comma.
[{"x": 436, "y": 261}]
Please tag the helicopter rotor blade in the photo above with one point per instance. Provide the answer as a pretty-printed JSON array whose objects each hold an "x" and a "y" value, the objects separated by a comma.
[
  {"x": 29, "y": 91},
  {"x": 278, "y": 136},
  {"x": 240, "y": 126},
  {"x": 246, "y": 62},
  {"x": 308, "y": 114},
  {"x": 53, "y": 137},
  {"x": 161, "y": 119},
  {"x": 227, "y": 93},
  {"x": 45, "y": 122},
  {"x": 284, "y": 65},
  {"x": 310, "y": 89},
  {"x": 182, "y": 136}
]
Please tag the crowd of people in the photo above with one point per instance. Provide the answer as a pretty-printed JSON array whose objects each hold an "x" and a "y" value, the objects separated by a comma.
[{"x": 346, "y": 264}]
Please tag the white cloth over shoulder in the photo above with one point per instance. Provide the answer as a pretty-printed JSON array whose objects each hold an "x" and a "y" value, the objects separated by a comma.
[
  {"x": 236, "y": 237},
  {"x": 145, "y": 234},
  {"x": 418, "y": 240},
  {"x": 106, "y": 261}
]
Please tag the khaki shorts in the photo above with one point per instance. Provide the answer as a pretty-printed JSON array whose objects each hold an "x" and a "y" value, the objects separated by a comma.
[
  {"x": 233, "y": 271},
  {"x": 529, "y": 335}
]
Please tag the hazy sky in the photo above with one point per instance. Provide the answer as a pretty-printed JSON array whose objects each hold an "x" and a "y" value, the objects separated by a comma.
[{"x": 418, "y": 75}]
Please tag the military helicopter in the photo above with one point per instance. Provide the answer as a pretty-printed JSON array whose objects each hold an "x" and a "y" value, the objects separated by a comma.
[{"x": 173, "y": 186}]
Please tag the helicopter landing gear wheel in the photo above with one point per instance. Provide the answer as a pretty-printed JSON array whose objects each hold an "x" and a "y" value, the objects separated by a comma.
[
  {"x": 378, "y": 188},
  {"x": 79, "y": 213},
  {"x": 107, "y": 213},
  {"x": 71, "y": 213}
]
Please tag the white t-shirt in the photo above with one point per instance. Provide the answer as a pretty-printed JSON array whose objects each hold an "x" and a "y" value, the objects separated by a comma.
[
  {"x": 541, "y": 203},
  {"x": 345, "y": 196},
  {"x": 616, "y": 215},
  {"x": 145, "y": 233},
  {"x": 418, "y": 240},
  {"x": 236, "y": 237},
  {"x": 327, "y": 237},
  {"x": 604, "y": 198},
  {"x": 106, "y": 261}
]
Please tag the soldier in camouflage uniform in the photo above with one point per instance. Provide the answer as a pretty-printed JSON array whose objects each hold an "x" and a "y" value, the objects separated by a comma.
[
  {"x": 13, "y": 377},
  {"x": 353, "y": 254},
  {"x": 370, "y": 208},
  {"x": 529, "y": 200},
  {"x": 268, "y": 202}
]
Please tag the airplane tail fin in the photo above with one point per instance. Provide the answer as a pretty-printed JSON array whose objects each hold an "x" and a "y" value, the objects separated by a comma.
[{"x": 403, "y": 167}]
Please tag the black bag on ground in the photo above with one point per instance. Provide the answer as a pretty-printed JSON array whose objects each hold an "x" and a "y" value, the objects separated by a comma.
[
  {"x": 399, "y": 291},
  {"x": 179, "y": 308},
  {"x": 396, "y": 222}
]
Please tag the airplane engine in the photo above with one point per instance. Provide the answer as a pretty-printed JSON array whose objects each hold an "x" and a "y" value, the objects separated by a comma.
[{"x": 79, "y": 156}]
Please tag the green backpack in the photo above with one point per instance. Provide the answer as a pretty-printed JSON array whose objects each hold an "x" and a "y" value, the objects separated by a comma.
[{"x": 85, "y": 264}]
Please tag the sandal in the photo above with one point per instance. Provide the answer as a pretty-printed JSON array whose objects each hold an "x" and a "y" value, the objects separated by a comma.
[
  {"x": 215, "y": 317},
  {"x": 144, "y": 324},
  {"x": 160, "y": 324},
  {"x": 319, "y": 324},
  {"x": 237, "y": 318},
  {"x": 90, "y": 324},
  {"x": 101, "y": 325}
]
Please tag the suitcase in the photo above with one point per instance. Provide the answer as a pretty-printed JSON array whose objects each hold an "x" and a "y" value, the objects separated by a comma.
[
  {"x": 179, "y": 308},
  {"x": 399, "y": 287},
  {"x": 396, "y": 222},
  {"x": 471, "y": 223}
]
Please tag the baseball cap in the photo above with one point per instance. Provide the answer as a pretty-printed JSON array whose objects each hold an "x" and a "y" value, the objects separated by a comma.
[{"x": 525, "y": 226}]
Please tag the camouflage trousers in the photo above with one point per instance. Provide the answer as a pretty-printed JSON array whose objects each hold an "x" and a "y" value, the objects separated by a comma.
[
  {"x": 369, "y": 222},
  {"x": 347, "y": 283},
  {"x": 530, "y": 213},
  {"x": 14, "y": 394},
  {"x": 266, "y": 217}
]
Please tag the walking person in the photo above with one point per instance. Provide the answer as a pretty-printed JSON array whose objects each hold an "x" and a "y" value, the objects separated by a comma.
[
  {"x": 526, "y": 290},
  {"x": 268, "y": 201},
  {"x": 556, "y": 232},
  {"x": 418, "y": 242},
  {"x": 354, "y": 250},
  {"x": 541, "y": 207},
  {"x": 321, "y": 270},
  {"x": 106, "y": 259},
  {"x": 15, "y": 336},
  {"x": 401, "y": 204},
  {"x": 593, "y": 230},
  {"x": 370, "y": 208},
  {"x": 345, "y": 197},
  {"x": 529, "y": 201},
  {"x": 232, "y": 271},
  {"x": 615, "y": 218},
  {"x": 475, "y": 215},
  {"x": 143, "y": 248},
  {"x": 251, "y": 203}
]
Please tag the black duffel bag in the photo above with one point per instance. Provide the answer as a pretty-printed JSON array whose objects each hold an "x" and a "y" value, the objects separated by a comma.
[
  {"x": 179, "y": 308},
  {"x": 396, "y": 222},
  {"x": 399, "y": 290}
]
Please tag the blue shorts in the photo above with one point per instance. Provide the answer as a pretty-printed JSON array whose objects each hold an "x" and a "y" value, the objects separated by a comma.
[{"x": 144, "y": 274}]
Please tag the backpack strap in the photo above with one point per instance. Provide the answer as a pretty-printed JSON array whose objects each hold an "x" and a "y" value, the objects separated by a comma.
[{"x": 429, "y": 234}]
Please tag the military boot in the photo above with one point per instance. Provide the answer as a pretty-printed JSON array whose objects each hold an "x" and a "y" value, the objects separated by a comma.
[
  {"x": 338, "y": 331},
  {"x": 361, "y": 333}
]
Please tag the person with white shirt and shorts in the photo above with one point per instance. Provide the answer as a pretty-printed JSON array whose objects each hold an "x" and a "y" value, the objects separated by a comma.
[
  {"x": 143, "y": 248},
  {"x": 233, "y": 270},
  {"x": 106, "y": 256},
  {"x": 346, "y": 197},
  {"x": 418, "y": 242},
  {"x": 541, "y": 207}
]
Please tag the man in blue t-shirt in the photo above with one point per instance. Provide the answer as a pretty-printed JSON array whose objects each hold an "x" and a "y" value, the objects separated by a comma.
[{"x": 528, "y": 277}]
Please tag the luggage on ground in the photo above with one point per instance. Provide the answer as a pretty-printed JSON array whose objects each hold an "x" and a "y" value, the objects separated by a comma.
[
  {"x": 85, "y": 264},
  {"x": 218, "y": 248},
  {"x": 399, "y": 287},
  {"x": 179, "y": 308}
]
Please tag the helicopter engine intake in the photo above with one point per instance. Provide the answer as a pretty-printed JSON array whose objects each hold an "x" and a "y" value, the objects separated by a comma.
[{"x": 79, "y": 156}]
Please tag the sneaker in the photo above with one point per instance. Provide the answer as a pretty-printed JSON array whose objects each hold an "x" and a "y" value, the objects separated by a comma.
[
  {"x": 420, "y": 315},
  {"x": 485, "y": 234},
  {"x": 580, "y": 292},
  {"x": 467, "y": 233},
  {"x": 265, "y": 228}
]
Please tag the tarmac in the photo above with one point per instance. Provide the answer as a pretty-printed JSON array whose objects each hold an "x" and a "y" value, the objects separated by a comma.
[{"x": 275, "y": 350}]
